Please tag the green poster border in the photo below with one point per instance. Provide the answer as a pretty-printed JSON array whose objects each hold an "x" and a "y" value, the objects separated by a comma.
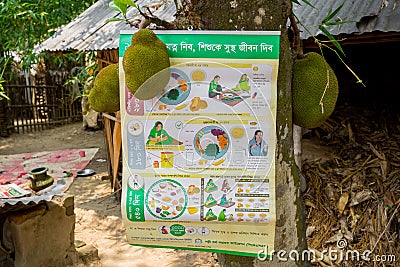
[
  {"x": 180, "y": 39},
  {"x": 226, "y": 36}
]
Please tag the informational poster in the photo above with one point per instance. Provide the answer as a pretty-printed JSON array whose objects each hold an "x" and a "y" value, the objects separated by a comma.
[{"x": 199, "y": 158}]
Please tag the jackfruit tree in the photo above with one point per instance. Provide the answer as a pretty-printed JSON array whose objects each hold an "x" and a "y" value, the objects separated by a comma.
[
  {"x": 104, "y": 96},
  {"x": 146, "y": 65},
  {"x": 262, "y": 16}
]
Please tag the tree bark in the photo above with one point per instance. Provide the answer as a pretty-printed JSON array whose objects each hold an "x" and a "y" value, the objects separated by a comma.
[{"x": 263, "y": 15}]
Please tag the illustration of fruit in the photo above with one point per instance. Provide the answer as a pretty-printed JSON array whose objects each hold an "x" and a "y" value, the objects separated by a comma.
[
  {"x": 190, "y": 190},
  {"x": 166, "y": 199},
  {"x": 165, "y": 207},
  {"x": 240, "y": 205},
  {"x": 181, "y": 107},
  {"x": 195, "y": 105},
  {"x": 203, "y": 104},
  {"x": 219, "y": 162},
  {"x": 240, "y": 190},
  {"x": 192, "y": 210}
]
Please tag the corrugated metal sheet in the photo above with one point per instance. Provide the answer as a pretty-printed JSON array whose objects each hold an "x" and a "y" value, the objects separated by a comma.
[
  {"x": 89, "y": 32},
  {"x": 367, "y": 16}
]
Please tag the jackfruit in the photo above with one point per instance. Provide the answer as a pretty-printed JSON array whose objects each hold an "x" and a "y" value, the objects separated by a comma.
[
  {"x": 311, "y": 75},
  {"x": 146, "y": 65},
  {"x": 104, "y": 96}
]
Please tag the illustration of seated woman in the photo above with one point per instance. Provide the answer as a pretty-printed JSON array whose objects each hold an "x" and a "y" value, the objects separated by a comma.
[
  {"x": 215, "y": 88},
  {"x": 257, "y": 146},
  {"x": 226, "y": 203},
  {"x": 243, "y": 84},
  {"x": 158, "y": 136}
]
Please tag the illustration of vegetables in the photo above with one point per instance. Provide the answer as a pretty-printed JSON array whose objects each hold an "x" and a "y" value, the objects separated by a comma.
[
  {"x": 217, "y": 132},
  {"x": 223, "y": 141},
  {"x": 183, "y": 85},
  {"x": 212, "y": 150},
  {"x": 173, "y": 94}
]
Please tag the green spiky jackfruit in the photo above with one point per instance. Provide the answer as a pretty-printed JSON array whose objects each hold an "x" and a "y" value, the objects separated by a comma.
[
  {"x": 104, "y": 96},
  {"x": 146, "y": 65},
  {"x": 310, "y": 79}
]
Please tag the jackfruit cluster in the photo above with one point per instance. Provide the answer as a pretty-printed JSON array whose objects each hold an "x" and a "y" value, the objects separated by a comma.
[
  {"x": 104, "y": 96},
  {"x": 311, "y": 75},
  {"x": 146, "y": 65}
]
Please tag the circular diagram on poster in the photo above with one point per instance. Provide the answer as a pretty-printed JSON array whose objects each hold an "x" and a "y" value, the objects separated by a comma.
[
  {"x": 177, "y": 89},
  {"x": 166, "y": 199},
  {"x": 211, "y": 142}
]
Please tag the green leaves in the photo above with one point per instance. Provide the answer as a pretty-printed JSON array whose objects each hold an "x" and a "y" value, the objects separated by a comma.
[
  {"x": 327, "y": 21},
  {"x": 118, "y": 6},
  {"x": 331, "y": 14},
  {"x": 126, "y": 2}
]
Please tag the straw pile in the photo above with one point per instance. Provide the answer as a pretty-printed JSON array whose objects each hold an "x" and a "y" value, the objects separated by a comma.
[{"x": 353, "y": 199}]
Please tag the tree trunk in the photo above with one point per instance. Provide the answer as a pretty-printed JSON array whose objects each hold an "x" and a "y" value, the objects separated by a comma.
[{"x": 263, "y": 15}]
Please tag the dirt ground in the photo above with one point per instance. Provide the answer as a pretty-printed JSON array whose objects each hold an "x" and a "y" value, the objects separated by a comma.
[{"x": 98, "y": 226}]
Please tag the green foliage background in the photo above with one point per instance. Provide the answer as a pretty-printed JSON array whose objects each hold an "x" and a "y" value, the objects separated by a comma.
[{"x": 26, "y": 23}]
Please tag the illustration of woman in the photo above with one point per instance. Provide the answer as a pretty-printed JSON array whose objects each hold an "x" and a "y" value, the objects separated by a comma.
[
  {"x": 214, "y": 88},
  {"x": 225, "y": 186},
  {"x": 158, "y": 136},
  {"x": 243, "y": 84},
  {"x": 257, "y": 146}
]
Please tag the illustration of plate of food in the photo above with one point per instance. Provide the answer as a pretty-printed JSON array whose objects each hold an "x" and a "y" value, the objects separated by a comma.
[
  {"x": 211, "y": 142},
  {"x": 177, "y": 89},
  {"x": 166, "y": 199}
]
